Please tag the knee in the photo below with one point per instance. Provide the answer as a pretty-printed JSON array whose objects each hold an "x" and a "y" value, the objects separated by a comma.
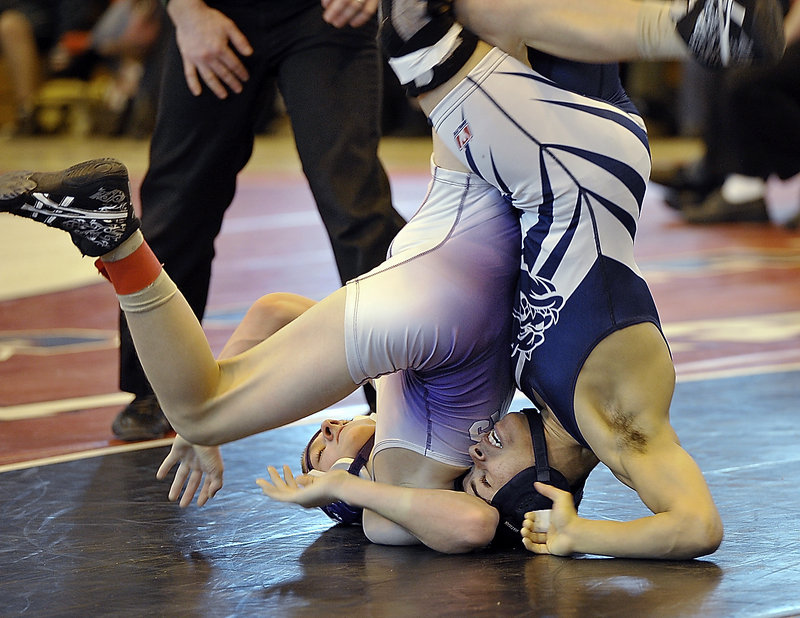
[{"x": 276, "y": 310}]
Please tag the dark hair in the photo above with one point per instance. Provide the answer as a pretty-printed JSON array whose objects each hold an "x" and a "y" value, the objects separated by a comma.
[
  {"x": 518, "y": 495},
  {"x": 305, "y": 456}
]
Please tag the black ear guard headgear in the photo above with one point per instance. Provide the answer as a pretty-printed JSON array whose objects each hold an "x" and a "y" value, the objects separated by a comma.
[
  {"x": 518, "y": 496},
  {"x": 340, "y": 511}
]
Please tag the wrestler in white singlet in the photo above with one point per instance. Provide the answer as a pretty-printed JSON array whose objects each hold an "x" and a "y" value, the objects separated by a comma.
[{"x": 439, "y": 310}]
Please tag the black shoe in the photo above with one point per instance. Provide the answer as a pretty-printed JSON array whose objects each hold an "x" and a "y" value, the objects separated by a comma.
[
  {"x": 142, "y": 419},
  {"x": 722, "y": 33},
  {"x": 686, "y": 199},
  {"x": 793, "y": 223},
  {"x": 686, "y": 186},
  {"x": 91, "y": 201},
  {"x": 716, "y": 209}
]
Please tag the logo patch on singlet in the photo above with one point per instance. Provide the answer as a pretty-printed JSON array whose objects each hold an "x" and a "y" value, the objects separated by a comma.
[
  {"x": 538, "y": 309},
  {"x": 462, "y": 135}
]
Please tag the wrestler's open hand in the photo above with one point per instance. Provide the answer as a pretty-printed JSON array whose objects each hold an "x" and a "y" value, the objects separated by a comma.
[
  {"x": 197, "y": 465},
  {"x": 306, "y": 490},
  {"x": 550, "y": 537}
]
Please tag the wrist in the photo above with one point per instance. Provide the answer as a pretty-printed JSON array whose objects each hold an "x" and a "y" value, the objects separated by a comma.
[{"x": 175, "y": 8}]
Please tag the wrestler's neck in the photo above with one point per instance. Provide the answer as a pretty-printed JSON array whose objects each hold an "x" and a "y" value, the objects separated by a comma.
[{"x": 565, "y": 453}]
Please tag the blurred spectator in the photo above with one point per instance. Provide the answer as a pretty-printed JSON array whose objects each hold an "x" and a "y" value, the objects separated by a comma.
[
  {"x": 40, "y": 38},
  {"x": 751, "y": 132},
  {"x": 130, "y": 35}
]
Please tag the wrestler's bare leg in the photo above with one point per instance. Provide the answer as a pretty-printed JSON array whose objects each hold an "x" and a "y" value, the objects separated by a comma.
[
  {"x": 265, "y": 317},
  {"x": 299, "y": 370}
]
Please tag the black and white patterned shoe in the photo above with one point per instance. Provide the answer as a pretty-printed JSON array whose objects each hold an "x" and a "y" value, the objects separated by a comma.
[
  {"x": 90, "y": 200},
  {"x": 726, "y": 33}
]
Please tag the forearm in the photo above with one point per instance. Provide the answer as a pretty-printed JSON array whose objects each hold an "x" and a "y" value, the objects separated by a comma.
[
  {"x": 662, "y": 536},
  {"x": 446, "y": 521},
  {"x": 593, "y": 31}
]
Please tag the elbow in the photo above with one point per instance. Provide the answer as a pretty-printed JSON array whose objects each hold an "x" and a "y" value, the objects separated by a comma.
[
  {"x": 482, "y": 528},
  {"x": 712, "y": 536},
  {"x": 475, "y": 531},
  {"x": 194, "y": 427},
  {"x": 702, "y": 536}
]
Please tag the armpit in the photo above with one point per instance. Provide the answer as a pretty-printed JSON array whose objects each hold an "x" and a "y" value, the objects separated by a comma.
[{"x": 627, "y": 435}]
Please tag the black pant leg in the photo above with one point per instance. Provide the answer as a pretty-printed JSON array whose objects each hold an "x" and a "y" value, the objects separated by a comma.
[
  {"x": 331, "y": 82},
  {"x": 765, "y": 112}
]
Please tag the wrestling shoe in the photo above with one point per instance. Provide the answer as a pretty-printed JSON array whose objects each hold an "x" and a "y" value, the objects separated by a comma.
[
  {"x": 716, "y": 209},
  {"x": 722, "y": 33},
  {"x": 141, "y": 419},
  {"x": 90, "y": 200}
]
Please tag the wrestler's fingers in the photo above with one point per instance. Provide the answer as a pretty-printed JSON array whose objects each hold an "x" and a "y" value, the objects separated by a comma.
[
  {"x": 536, "y": 548},
  {"x": 191, "y": 487},
  {"x": 289, "y": 477},
  {"x": 275, "y": 479},
  {"x": 181, "y": 474},
  {"x": 210, "y": 489},
  {"x": 166, "y": 466},
  {"x": 533, "y": 537},
  {"x": 265, "y": 485}
]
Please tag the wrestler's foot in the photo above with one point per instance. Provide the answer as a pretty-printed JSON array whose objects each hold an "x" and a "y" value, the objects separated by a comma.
[
  {"x": 90, "y": 200},
  {"x": 722, "y": 33}
]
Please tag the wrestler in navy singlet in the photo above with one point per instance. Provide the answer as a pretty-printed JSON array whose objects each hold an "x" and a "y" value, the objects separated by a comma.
[{"x": 576, "y": 165}]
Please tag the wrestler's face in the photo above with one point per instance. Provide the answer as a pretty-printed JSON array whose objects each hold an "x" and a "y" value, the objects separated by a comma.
[
  {"x": 499, "y": 456},
  {"x": 337, "y": 439}
]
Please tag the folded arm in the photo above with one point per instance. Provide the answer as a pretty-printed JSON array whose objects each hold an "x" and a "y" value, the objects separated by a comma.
[
  {"x": 447, "y": 521},
  {"x": 623, "y": 396},
  {"x": 685, "y": 523}
]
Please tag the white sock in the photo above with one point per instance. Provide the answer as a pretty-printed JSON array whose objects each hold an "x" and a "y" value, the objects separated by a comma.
[
  {"x": 658, "y": 39},
  {"x": 128, "y": 246},
  {"x": 151, "y": 297},
  {"x": 738, "y": 189}
]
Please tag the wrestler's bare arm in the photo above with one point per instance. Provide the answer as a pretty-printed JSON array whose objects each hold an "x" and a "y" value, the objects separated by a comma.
[
  {"x": 631, "y": 372},
  {"x": 446, "y": 521},
  {"x": 607, "y": 31},
  {"x": 201, "y": 467},
  {"x": 685, "y": 523}
]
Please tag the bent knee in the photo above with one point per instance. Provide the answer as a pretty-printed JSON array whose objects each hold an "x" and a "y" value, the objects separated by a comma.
[
  {"x": 282, "y": 305},
  {"x": 278, "y": 309}
]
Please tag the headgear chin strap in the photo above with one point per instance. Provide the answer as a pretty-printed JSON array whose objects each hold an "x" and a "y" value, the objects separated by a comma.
[
  {"x": 518, "y": 495},
  {"x": 340, "y": 511}
]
